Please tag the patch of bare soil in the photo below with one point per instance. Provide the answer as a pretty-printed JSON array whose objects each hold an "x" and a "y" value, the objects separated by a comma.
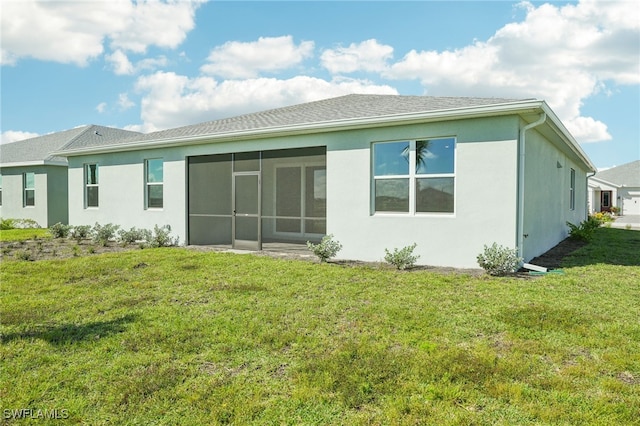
[
  {"x": 553, "y": 258},
  {"x": 58, "y": 248}
]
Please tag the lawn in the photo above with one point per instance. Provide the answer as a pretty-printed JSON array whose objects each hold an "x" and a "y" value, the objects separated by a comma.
[{"x": 177, "y": 336}]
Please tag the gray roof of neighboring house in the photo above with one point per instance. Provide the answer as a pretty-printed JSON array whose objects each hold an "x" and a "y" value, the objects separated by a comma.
[
  {"x": 626, "y": 174},
  {"x": 39, "y": 150},
  {"x": 347, "y": 107}
]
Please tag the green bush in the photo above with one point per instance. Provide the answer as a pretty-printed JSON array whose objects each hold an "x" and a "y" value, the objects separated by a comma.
[
  {"x": 80, "y": 232},
  {"x": 499, "y": 260},
  {"x": 6, "y": 224},
  {"x": 403, "y": 258},
  {"x": 102, "y": 234},
  {"x": 133, "y": 235},
  {"x": 584, "y": 231},
  {"x": 59, "y": 230},
  {"x": 326, "y": 249},
  {"x": 161, "y": 237}
]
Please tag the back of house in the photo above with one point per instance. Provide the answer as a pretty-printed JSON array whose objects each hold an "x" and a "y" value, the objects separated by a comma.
[{"x": 375, "y": 171}]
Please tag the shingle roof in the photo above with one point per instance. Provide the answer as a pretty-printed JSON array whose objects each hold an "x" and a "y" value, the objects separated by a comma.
[
  {"x": 328, "y": 110},
  {"x": 39, "y": 149},
  {"x": 626, "y": 174}
]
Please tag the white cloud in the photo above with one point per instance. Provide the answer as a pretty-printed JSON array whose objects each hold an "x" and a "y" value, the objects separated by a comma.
[
  {"x": 101, "y": 107},
  {"x": 16, "y": 135},
  {"x": 368, "y": 55},
  {"x": 172, "y": 100},
  {"x": 121, "y": 64},
  {"x": 124, "y": 102},
  {"x": 76, "y": 31},
  {"x": 236, "y": 59},
  {"x": 562, "y": 54}
]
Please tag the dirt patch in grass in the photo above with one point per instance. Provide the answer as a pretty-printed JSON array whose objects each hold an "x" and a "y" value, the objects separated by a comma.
[
  {"x": 553, "y": 258},
  {"x": 55, "y": 248}
]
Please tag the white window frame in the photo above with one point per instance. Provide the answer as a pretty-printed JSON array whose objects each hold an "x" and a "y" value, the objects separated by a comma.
[
  {"x": 413, "y": 177},
  {"x": 572, "y": 189},
  {"x": 25, "y": 188},
  {"x": 87, "y": 185},
  {"x": 148, "y": 184}
]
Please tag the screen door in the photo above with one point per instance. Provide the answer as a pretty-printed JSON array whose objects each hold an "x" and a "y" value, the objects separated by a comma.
[{"x": 246, "y": 211}]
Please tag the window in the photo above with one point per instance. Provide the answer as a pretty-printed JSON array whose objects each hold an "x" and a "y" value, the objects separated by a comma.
[
  {"x": 572, "y": 190},
  {"x": 414, "y": 176},
  {"x": 154, "y": 182},
  {"x": 91, "y": 185},
  {"x": 29, "y": 184},
  {"x": 0, "y": 190}
]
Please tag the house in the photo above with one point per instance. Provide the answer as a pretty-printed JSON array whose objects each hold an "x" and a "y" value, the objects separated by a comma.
[
  {"x": 616, "y": 187},
  {"x": 34, "y": 182},
  {"x": 376, "y": 171}
]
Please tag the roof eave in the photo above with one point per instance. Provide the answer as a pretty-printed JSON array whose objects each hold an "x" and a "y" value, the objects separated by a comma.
[
  {"x": 61, "y": 163},
  {"x": 310, "y": 128},
  {"x": 568, "y": 138}
]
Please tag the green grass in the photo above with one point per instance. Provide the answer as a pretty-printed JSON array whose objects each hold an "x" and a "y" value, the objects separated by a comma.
[
  {"x": 172, "y": 336},
  {"x": 24, "y": 234}
]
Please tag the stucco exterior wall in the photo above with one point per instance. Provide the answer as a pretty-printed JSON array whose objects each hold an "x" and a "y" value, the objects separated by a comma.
[
  {"x": 50, "y": 203},
  {"x": 547, "y": 195},
  {"x": 485, "y": 191},
  {"x": 485, "y": 195}
]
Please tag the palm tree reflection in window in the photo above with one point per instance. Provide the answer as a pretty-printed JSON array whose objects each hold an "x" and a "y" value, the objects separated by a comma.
[{"x": 422, "y": 153}]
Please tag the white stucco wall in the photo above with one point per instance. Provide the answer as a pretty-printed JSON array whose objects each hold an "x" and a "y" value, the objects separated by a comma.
[
  {"x": 486, "y": 168},
  {"x": 485, "y": 196},
  {"x": 50, "y": 204},
  {"x": 547, "y": 199}
]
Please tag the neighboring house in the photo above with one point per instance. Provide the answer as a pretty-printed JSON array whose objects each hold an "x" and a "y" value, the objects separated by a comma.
[
  {"x": 616, "y": 187},
  {"x": 34, "y": 182},
  {"x": 376, "y": 171}
]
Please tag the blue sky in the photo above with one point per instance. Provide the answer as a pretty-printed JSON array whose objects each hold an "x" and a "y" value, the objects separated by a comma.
[{"x": 150, "y": 65}]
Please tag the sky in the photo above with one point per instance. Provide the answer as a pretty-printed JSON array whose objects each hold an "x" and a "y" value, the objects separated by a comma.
[{"x": 149, "y": 65}]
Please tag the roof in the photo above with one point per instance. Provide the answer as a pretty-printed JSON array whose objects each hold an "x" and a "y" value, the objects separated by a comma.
[
  {"x": 626, "y": 174},
  {"x": 333, "y": 110},
  {"x": 40, "y": 150},
  {"x": 348, "y": 112}
]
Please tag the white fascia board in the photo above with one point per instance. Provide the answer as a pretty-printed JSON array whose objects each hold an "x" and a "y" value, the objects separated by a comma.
[
  {"x": 596, "y": 179},
  {"x": 520, "y": 107},
  {"x": 568, "y": 138},
  {"x": 34, "y": 163}
]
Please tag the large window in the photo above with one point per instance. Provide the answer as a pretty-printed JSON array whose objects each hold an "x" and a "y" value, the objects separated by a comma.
[
  {"x": 572, "y": 190},
  {"x": 415, "y": 176},
  {"x": 154, "y": 180},
  {"x": 29, "y": 185},
  {"x": 91, "y": 185}
]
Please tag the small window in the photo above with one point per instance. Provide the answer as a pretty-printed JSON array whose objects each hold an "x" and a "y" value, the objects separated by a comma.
[
  {"x": 91, "y": 185},
  {"x": 0, "y": 190},
  {"x": 29, "y": 181},
  {"x": 572, "y": 190},
  {"x": 154, "y": 182},
  {"x": 415, "y": 176}
]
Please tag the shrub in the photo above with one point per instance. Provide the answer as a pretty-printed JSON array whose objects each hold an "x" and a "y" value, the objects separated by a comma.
[
  {"x": 600, "y": 218},
  {"x": 133, "y": 235},
  {"x": 102, "y": 234},
  {"x": 59, "y": 230},
  {"x": 583, "y": 231},
  {"x": 403, "y": 258},
  {"x": 161, "y": 237},
  {"x": 80, "y": 232},
  {"x": 6, "y": 224},
  {"x": 499, "y": 260},
  {"x": 326, "y": 249}
]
